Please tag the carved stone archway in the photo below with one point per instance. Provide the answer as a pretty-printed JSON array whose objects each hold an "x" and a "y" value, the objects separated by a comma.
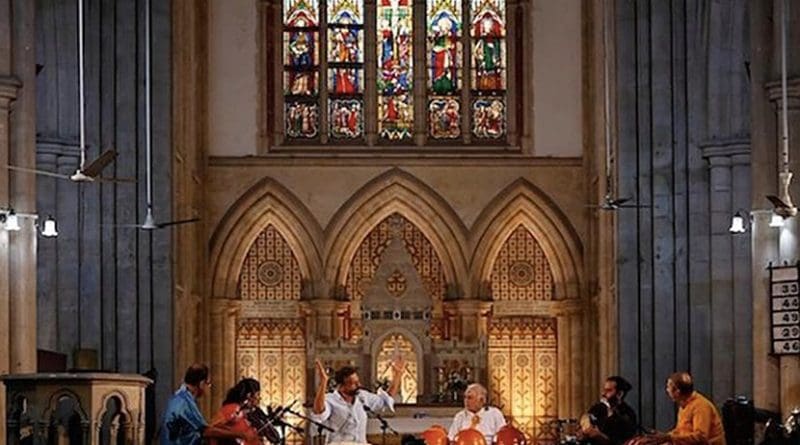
[
  {"x": 523, "y": 205},
  {"x": 266, "y": 206}
]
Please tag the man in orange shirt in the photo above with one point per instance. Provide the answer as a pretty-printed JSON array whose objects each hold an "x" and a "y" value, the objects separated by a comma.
[{"x": 699, "y": 422}]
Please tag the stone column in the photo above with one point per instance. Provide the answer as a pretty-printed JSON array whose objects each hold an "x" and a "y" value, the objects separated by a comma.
[
  {"x": 564, "y": 325},
  {"x": 224, "y": 312},
  {"x": 8, "y": 92},
  {"x": 325, "y": 316},
  {"x": 17, "y": 147},
  {"x": 725, "y": 298},
  {"x": 788, "y": 243},
  {"x": 469, "y": 312},
  {"x": 21, "y": 189},
  {"x": 571, "y": 337}
]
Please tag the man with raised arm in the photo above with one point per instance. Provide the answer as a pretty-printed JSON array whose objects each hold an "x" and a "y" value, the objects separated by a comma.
[{"x": 345, "y": 409}]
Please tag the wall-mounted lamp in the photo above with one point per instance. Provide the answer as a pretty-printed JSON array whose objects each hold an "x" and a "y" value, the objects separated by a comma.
[
  {"x": 776, "y": 220},
  {"x": 737, "y": 223},
  {"x": 10, "y": 220},
  {"x": 50, "y": 228}
]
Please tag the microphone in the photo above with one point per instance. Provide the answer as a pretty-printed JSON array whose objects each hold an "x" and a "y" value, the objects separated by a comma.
[{"x": 280, "y": 411}]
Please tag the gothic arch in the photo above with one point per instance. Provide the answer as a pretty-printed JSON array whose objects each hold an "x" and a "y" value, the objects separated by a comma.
[
  {"x": 52, "y": 404},
  {"x": 267, "y": 202},
  {"x": 396, "y": 191},
  {"x": 421, "y": 347},
  {"x": 522, "y": 203},
  {"x": 124, "y": 409}
]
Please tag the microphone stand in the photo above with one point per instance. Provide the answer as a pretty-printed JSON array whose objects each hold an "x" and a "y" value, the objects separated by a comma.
[
  {"x": 279, "y": 422},
  {"x": 320, "y": 426},
  {"x": 384, "y": 424}
]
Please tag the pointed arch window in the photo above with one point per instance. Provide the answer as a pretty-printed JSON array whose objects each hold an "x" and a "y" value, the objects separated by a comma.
[{"x": 394, "y": 72}]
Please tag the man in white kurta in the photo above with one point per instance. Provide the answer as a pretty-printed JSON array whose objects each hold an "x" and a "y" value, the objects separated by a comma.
[
  {"x": 343, "y": 410},
  {"x": 477, "y": 415}
]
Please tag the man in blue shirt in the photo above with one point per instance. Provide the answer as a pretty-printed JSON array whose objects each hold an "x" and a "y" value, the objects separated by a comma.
[{"x": 183, "y": 423}]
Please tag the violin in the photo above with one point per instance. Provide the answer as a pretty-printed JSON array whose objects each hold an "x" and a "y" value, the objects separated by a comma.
[
  {"x": 261, "y": 422},
  {"x": 247, "y": 417}
]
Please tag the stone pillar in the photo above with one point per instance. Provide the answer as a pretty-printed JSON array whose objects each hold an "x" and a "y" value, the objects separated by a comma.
[
  {"x": 564, "y": 332},
  {"x": 469, "y": 312},
  {"x": 224, "y": 312},
  {"x": 788, "y": 243},
  {"x": 571, "y": 335},
  {"x": 742, "y": 281},
  {"x": 726, "y": 300},
  {"x": 17, "y": 147},
  {"x": 325, "y": 317},
  {"x": 8, "y": 91}
]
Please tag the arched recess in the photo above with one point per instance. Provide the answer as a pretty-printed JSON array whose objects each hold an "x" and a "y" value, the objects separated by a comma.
[
  {"x": 396, "y": 191},
  {"x": 267, "y": 202},
  {"x": 522, "y": 203},
  {"x": 414, "y": 364}
]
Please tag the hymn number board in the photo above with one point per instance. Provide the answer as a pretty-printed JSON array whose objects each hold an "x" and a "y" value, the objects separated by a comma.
[{"x": 785, "y": 309}]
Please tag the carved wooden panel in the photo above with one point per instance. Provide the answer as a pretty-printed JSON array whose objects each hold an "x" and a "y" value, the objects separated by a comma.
[
  {"x": 367, "y": 258},
  {"x": 522, "y": 358},
  {"x": 521, "y": 270},
  {"x": 270, "y": 270}
]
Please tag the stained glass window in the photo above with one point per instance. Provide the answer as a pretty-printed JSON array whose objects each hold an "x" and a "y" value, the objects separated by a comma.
[
  {"x": 488, "y": 82},
  {"x": 331, "y": 95},
  {"x": 346, "y": 68},
  {"x": 395, "y": 69},
  {"x": 301, "y": 68},
  {"x": 444, "y": 68}
]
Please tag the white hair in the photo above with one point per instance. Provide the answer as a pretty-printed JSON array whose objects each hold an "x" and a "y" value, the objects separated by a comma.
[{"x": 478, "y": 389}]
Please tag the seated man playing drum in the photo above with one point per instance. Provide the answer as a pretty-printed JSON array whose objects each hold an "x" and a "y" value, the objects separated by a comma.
[{"x": 477, "y": 415}]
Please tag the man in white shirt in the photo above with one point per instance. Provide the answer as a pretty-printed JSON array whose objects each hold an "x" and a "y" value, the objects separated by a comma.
[
  {"x": 477, "y": 415},
  {"x": 345, "y": 409}
]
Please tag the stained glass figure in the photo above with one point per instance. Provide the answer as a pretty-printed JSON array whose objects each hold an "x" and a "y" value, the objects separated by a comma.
[
  {"x": 346, "y": 118},
  {"x": 444, "y": 28},
  {"x": 395, "y": 69},
  {"x": 302, "y": 120},
  {"x": 489, "y": 117},
  {"x": 444, "y": 118},
  {"x": 301, "y": 67},
  {"x": 345, "y": 68},
  {"x": 488, "y": 32}
]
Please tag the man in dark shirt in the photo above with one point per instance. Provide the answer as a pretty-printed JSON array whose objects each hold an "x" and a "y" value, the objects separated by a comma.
[{"x": 610, "y": 421}]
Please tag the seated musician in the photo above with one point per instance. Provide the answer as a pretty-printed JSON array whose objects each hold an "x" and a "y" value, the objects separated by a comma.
[
  {"x": 345, "y": 409},
  {"x": 183, "y": 424},
  {"x": 477, "y": 415},
  {"x": 610, "y": 421},
  {"x": 242, "y": 397},
  {"x": 699, "y": 422}
]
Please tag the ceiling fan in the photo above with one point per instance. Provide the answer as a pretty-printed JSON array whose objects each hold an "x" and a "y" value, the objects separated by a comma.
[
  {"x": 149, "y": 220},
  {"x": 84, "y": 173},
  {"x": 610, "y": 202}
]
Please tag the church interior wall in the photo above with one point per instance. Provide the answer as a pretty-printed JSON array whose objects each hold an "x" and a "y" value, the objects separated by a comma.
[
  {"x": 552, "y": 42},
  {"x": 102, "y": 287},
  {"x": 685, "y": 299}
]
